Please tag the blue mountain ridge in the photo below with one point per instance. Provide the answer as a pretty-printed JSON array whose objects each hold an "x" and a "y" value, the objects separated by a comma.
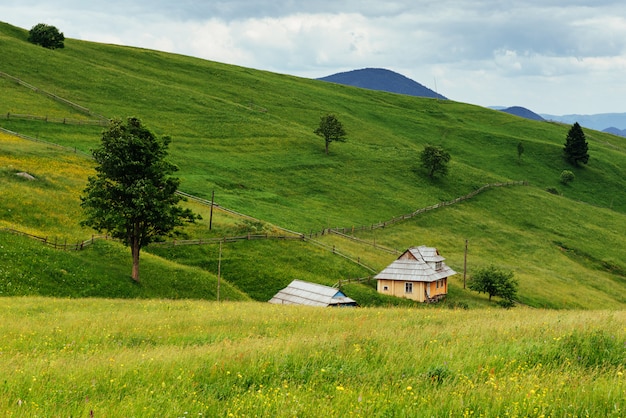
[{"x": 383, "y": 80}]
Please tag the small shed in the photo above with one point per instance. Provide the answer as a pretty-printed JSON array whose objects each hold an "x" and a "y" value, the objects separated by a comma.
[
  {"x": 304, "y": 293},
  {"x": 419, "y": 274}
]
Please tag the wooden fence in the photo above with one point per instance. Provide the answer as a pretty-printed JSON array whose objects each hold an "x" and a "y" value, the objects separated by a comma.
[
  {"x": 56, "y": 244},
  {"x": 351, "y": 230},
  {"x": 65, "y": 121},
  {"x": 73, "y": 105},
  {"x": 248, "y": 237},
  {"x": 52, "y": 144}
]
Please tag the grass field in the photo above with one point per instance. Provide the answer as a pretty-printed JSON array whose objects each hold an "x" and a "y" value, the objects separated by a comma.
[
  {"x": 79, "y": 338},
  {"x": 163, "y": 358},
  {"x": 247, "y": 135}
]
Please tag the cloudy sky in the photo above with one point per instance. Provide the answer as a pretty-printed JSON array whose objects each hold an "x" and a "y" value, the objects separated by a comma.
[{"x": 551, "y": 56}]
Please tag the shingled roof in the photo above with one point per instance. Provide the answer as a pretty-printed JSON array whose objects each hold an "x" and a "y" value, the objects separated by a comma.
[
  {"x": 304, "y": 293},
  {"x": 420, "y": 266}
]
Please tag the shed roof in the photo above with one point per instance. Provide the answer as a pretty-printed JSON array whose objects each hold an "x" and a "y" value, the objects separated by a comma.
[
  {"x": 304, "y": 293},
  {"x": 420, "y": 269}
]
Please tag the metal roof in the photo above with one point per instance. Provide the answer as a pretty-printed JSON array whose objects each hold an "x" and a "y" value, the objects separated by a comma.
[
  {"x": 421, "y": 269},
  {"x": 304, "y": 293}
]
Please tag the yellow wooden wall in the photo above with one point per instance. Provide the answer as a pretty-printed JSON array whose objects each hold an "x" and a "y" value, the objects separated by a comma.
[{"x": 396, "y": 288}]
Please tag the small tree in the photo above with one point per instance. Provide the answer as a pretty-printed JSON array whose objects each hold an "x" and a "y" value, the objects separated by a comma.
[
  {"x": 494, "y": 282},
  {"x": 47, "y": 36},
  {"x": 435, "y": 160},
  {"x": 575, "y": 149},
  {"x": 567, "y": 176},
  {"x": 331, "y": 130},
  {"x": 132, "y": 196}
]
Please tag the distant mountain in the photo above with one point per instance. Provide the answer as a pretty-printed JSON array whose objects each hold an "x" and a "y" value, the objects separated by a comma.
[
  {"x": 599, "y": 121},
  {"x": 522, "y": 112},
  {"x": 382, "y": 80},
  {"x": 613, "y": 130}
]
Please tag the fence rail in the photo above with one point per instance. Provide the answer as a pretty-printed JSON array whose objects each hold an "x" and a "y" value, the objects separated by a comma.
[
  {"x": 73, "y": 105},
  {"x": 248, "y": 237},
  {"x": 350, "y": 230},
  {"x": 52, "y": 144},
  {"x": 64, "y": 121},
  {"x": 56, "y": 244}
]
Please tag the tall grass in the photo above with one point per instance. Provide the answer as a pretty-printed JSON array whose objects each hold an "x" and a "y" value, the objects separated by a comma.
[{"x": 164, "y": 358}]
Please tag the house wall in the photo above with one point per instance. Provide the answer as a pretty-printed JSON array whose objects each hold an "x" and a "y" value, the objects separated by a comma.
[
  {"x": 441, "y": 290},
  {"x": 397, "y": 288}
]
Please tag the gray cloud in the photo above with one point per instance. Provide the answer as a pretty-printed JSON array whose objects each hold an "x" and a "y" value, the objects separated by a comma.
[{"x": 531, "y": 53}]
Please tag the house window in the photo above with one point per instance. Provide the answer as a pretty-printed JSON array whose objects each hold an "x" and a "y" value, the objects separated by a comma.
[
  {"x": 408, "y": 288},
  {"x": 438, "y": 265},
  {"x": 437, "y": 284},
  {"x": 385, "y": 288}
]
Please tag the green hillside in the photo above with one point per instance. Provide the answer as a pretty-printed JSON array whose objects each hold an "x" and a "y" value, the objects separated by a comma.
[{"x": 248, "y": 136}]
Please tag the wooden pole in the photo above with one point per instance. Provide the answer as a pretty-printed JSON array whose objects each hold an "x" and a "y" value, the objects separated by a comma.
[
  {"x": 465, "y": 265},
  {"x": 211, "y": 215},
  {"x": 219, "y": 268}
]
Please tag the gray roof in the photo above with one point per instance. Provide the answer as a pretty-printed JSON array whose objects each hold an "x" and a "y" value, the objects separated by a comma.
[
  {"x": 304, "y": 293},
  {"x": 428, "y": 254},
  {"x": 422, "y": 269}
]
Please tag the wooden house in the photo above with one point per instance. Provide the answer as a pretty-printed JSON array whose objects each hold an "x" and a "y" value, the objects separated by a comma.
[
  {"x": 304, "y": 293},
  {"x": 419, "y": 274}
]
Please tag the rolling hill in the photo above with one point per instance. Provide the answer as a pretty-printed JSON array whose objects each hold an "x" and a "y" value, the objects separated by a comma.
[{"x": 247, "y": 135}]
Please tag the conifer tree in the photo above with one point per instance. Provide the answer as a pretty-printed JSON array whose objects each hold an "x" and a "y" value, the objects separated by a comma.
[{"x": 576, "y": 147}]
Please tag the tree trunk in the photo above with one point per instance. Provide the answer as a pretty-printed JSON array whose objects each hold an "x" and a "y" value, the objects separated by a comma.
[
  {"x": 135, "y": 252},
  {"x": 327, "y": 142}
]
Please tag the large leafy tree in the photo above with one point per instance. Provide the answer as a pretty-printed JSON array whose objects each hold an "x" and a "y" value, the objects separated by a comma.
[
  {"x": 435, "y": 160},
  {"x": 331, "y": 129},
  {"x": 494, "y": 282},
  {"x": 576, "y": 148},
  {"x": 47, "y": 36},
  {"x": 133, "y": 196}
]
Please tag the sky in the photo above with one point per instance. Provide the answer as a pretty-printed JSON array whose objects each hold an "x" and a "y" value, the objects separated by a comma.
[{"x": 553, "y": 57}]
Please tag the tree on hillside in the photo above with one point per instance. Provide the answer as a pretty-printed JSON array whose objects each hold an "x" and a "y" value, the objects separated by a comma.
[
  {"x": 576, "y": 147},
  {"x": 495, "y": 282},
  {"x": 47, "y": 36},
  {"x": 331, "y": 130},
  {"x": 520, "y": 150},
  {"x": 435, "y": 160},
  {"x": 132, "y": 196}
]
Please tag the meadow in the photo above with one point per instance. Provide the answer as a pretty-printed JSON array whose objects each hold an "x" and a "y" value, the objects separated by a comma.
[
  {"x": 81, "y": 339},
  {"x": 107, "y": 357},
  {"x": 247, "y": 136}
]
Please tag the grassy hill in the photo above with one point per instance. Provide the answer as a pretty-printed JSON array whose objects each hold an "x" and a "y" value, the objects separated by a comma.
[{"x": 248, "y": 136}]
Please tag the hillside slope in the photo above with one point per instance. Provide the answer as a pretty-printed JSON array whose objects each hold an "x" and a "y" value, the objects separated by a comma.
[{"x": 248, "y": 136}]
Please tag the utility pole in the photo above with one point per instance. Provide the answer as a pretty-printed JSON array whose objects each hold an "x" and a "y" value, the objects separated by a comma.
[
  {"x": 219, "y": 268},
  {"x": 211, "y": 215},
  {"x": 465, "y": 265}
]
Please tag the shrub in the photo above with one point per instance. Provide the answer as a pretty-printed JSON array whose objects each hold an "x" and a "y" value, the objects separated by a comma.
[
  {"x": 567, "y": 176},
  {"x": 47, "y": 36}
]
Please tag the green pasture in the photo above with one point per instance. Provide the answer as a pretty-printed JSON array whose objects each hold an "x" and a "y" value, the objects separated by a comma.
[
  {"x": 149, "y": 358},
  {"x": 247, "y": 136}
]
